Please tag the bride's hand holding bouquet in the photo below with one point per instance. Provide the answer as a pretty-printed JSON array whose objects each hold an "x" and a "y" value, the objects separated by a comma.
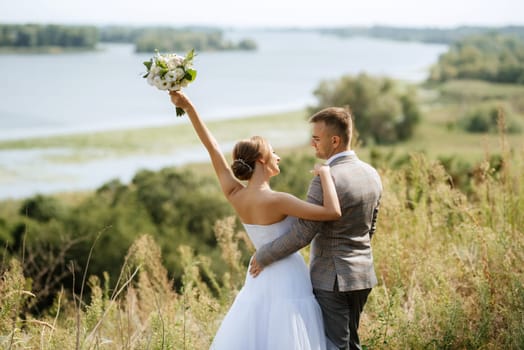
[
  {"x": 180, "y": 100},
  {"x": 171, "y": 72}
]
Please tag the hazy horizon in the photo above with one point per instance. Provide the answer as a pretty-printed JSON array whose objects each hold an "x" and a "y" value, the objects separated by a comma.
[{"x": 267, "y": 14}]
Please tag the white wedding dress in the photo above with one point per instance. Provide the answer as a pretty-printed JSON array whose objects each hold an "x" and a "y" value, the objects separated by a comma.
[{"x": 276, "y": 310}]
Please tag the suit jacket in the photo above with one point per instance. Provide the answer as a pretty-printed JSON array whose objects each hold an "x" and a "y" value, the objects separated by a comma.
[{"x": 341, "y": 249}]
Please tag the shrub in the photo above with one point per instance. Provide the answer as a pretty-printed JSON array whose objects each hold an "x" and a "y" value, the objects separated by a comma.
[
  {"x": 42, "y": 208},
  {"x": 490, "y": 118},
  {"x": 382, "y": 111}
]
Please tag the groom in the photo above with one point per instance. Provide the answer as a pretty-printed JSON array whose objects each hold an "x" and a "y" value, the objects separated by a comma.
[{"x": 341, "y": 266}]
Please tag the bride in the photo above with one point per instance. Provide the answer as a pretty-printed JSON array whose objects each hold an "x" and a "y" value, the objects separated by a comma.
[{"x": 277, "y": 310}]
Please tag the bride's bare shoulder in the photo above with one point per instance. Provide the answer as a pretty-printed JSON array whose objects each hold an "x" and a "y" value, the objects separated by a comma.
[{"x": 278, "y": 197}]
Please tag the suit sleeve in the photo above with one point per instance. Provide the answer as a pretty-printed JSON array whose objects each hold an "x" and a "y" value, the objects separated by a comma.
[{"x": 300, "y": 235}]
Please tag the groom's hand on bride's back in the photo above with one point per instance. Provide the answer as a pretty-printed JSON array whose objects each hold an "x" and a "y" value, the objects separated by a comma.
[{"x": 254, "y": 268}]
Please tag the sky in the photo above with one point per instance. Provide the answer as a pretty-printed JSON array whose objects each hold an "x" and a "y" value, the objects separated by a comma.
[{"x": 266, "y": 13}]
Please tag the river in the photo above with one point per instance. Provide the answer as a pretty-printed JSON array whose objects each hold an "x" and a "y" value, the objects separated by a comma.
[{"x": 42, "y": 94}]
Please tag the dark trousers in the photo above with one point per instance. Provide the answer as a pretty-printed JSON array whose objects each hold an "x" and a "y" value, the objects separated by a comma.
[{"x": 341, "y": 312}]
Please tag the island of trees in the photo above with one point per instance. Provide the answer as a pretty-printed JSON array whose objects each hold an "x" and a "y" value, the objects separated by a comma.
[
  {"x": 147, "y": 39},
  {"x": 56, "y": 38},
  {"x": 47, "y": 37}
]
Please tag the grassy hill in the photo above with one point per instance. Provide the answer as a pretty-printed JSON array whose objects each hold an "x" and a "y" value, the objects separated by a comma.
[{"x": 449, "y": 258}]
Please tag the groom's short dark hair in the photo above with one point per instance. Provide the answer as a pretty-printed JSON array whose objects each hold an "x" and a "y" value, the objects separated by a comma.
[{"x": 338, "y": 119}]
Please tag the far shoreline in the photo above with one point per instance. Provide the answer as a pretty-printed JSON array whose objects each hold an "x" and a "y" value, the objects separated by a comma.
[
  {"x": 161, "y": 122},
  {"x": 82, "y": 162},
  {"x": 47, "y": 138}
]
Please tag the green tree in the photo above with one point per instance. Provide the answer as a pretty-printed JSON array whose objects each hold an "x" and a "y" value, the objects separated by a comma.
[
  {"x": 491, "y": 57},
  {"x": 42, "y": 208},
  {"x": 382, "y": 112}
]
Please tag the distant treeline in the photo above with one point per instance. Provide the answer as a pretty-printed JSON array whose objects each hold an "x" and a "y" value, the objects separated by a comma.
[
  {"x": 36, "y": 36},
  {"x": 210, "y": 38},
  {"x": 148, "y": 39},
  {"x": 145, "y": 39},
  {"x": 489, "y": 57},
  {"x": 427, "y": 35}
]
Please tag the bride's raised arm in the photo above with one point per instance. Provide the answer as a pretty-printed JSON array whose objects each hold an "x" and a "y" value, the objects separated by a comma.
[{"x": 227, "y": 180}]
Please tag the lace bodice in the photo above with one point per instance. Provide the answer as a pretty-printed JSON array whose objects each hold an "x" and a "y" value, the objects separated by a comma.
[{"x": 262, "y": 234}]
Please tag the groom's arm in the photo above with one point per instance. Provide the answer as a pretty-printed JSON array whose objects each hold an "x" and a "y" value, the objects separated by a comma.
[{"x": 300, "y": 235}]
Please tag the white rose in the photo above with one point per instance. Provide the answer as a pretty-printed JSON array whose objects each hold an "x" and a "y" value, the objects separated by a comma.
[
  {"x": 179, "y": 60},
  {"x": 157, "y": 81},
  {"x": 154, "y": 70},
  {"x": 175, "y": 87},
  {"x": 171, "y": 65},
  {"x": 184, "y": 83},
  {"x": 165, "y": 85},
  {"x": 170, "y": 76},
  {"x": 173, "y": 62},
  {"x": 179, "y": 72},
  {"x": 150, "y": 79},
  {"x": 161, "y": 59}
]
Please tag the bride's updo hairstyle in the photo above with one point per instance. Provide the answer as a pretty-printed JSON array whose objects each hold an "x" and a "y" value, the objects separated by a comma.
[{"x": 246, "y": 153}]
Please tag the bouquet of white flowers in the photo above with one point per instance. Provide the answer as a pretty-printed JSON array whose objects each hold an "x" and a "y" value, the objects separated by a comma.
[{"x": 170, "y": 72}]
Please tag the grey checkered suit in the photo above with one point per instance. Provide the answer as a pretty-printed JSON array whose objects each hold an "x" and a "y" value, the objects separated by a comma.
[
  {"x": 341, "y": 265},
  {"x": 340, "y": 249}
]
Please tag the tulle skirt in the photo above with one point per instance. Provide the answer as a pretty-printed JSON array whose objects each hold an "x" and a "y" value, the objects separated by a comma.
[{"x": 276, "y": 310}]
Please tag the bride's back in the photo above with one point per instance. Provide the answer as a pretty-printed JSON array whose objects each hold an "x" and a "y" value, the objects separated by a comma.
[{"x": 254, "y": 206}]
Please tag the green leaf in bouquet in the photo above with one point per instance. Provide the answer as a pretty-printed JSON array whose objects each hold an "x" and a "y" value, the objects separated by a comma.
[
  {"x": 161, "y": 64},
  {"x": 190, "y": 75},
  {"x": 148, "y": 65},
  {"x": 189, "y": 56},
  {"x": 163, "y": 71}
]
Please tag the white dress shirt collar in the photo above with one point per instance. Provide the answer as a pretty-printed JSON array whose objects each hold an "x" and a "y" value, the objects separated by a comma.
[{"x": 338, "y": 155}]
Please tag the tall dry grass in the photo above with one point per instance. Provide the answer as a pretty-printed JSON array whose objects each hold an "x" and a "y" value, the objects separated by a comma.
[
  {"x": 451, "y": 272},
  {"x": 142, "y": 312},
  {"x": 451, "y": 268}
]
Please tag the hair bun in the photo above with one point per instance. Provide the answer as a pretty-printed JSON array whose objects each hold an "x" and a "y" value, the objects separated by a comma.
[{"x": 241, "y": 169}]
